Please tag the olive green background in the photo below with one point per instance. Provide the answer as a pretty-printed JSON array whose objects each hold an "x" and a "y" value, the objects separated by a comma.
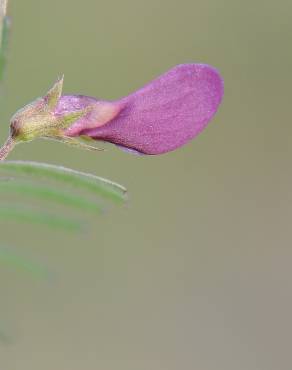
[{"x": 195, "y": 272}]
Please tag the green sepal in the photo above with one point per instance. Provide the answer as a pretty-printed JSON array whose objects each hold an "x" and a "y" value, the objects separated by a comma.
[
  {"x": 68, "y": 119},
  {"x": 54, "y": 94},
  {"x": 72, "y": 141}
]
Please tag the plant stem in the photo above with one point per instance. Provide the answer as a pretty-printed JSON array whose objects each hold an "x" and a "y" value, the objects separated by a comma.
[
  {"x": 3, "y": 10},
  {"x": 6, "y": 148}
]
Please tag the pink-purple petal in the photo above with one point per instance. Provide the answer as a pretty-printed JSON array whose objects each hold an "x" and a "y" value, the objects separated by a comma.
[{"x": 160, "y": 117}]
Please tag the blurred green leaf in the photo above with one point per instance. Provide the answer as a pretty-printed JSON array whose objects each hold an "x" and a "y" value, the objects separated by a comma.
[
  {"x": 96, "y": 185},
  {"x": 53, "y": 193},
  {"x": 28, "y": 215},
  {"x": 42, "y": 192},
  {"x": 15, "y": 260}
]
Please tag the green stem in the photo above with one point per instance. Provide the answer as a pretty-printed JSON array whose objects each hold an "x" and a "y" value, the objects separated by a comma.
[
  {"x": 3, "y": 10},
  {"x": 7, "y": 147}
]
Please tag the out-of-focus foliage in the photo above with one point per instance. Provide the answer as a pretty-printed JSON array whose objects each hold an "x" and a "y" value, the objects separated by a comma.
[
  {"x": 55, "y": 185},
  {"x": 12, "y": 258}
]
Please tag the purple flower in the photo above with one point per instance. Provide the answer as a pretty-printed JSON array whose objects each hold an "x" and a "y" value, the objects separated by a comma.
[{"x": 160, "y": 117}]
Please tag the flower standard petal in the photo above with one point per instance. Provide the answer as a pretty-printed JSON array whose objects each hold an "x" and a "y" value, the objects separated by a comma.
[{"x": 166, "y": 113}]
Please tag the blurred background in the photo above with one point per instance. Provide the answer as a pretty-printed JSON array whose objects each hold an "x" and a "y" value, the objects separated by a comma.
[{"x": 195, "y": 272}]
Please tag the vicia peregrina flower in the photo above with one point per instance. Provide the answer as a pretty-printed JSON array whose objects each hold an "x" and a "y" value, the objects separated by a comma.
[{"x": 160, "y": 117}]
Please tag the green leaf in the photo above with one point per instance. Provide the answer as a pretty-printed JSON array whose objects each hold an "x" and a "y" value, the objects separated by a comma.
[
  {"x": 29, "y": 215},
  {"x": 94, "y": 184},
  {"x": 15, "y": 260},
  {"x": 42, "y": 192}
]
